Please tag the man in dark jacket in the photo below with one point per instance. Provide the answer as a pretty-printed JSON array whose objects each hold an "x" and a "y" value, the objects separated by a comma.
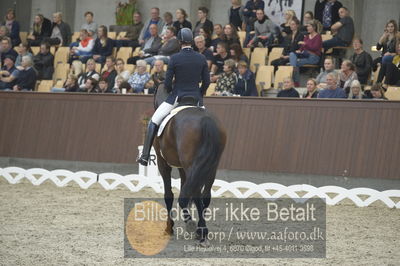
[
  {"x": 171, "y": 46},
  {"x": 8, "y": 73},
  {"x": 26, "y": 80},
  {"x": 43, "y": 62},
  {"x": 131, "y": 39},
  {"x": 61, "y": 31},
  {"x": 150, "y": 47},
  {"x": 6, "y": 48},
  {"x": 189, "y": 69}
]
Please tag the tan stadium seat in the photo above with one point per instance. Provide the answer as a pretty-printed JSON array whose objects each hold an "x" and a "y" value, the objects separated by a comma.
[
  {"x": 35, "y": 50},
  {"x": 98, "y": 67},
  {"x": 45, "y": 86},
  {"x": 275, "y": 53},
  {"x": 130, "y": 67},
  {"x": 112, "y": 35},
  {"x": 282, "y": 73},
  {"x": 59, "y": 84},
  {"x": 211, "y": 89},
  {"x": 76, "y": 36},
  {"x": 61, "y": 56},
  {"x": 242, "y": 37},
  {"x": 121, "y": 34},
  {"x": 124, "y": 53},
  {"x": 247, "y": 52},
  {"x": 264, "y": 78},
  {"x": 258, "y": 58},
  {"x": 375, "y": 75},
  {"x": 23, "y": 35},
  {"x": 393, "y": 93},
  {"x": 61, "y": 72},
  {"x": 136, "y": 52}
]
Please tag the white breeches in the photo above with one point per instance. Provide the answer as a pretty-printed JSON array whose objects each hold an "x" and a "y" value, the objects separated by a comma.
[{"x": 162, "y": 111}]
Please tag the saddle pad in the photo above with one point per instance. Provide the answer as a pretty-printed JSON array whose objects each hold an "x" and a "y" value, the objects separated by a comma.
[{"x": 168, "y": 117}]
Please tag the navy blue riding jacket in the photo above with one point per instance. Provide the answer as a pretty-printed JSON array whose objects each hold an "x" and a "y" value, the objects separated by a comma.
[{"x": 189, "y": 68}]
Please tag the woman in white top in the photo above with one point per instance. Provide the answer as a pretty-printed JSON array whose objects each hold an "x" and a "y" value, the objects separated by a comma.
[
  {"x": 90, "y": 73},
  {"x": 84, "y": 51}
]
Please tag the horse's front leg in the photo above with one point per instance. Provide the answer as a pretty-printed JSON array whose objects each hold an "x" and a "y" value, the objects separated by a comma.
[{"x": 165, "y": 171}]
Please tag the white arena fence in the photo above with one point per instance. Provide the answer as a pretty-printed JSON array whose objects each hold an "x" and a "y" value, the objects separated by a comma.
[{"x": 147, "y": 178}]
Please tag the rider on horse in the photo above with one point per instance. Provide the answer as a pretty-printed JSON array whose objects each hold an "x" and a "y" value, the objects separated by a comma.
[{"x": 189, "y": 69}]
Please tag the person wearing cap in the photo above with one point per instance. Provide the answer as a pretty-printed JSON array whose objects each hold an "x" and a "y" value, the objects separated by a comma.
[
  {"x": 189, "y": 69},
  {"x": 8, "y": 73}
]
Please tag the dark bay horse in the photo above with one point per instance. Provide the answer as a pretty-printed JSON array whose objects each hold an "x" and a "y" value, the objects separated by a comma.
[{"x": 193, "y": 141}]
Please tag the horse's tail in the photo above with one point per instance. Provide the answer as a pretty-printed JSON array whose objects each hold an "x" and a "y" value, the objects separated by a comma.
[{"x": 206, "y": 160}]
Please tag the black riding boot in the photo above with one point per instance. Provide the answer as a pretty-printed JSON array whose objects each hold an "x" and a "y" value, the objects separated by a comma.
[{"x": 148, "y": 141}]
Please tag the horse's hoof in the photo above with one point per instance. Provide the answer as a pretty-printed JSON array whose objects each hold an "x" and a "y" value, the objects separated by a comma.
[
  {"x": 191, "y": 226},
  {"x": 204, "y": 243}
]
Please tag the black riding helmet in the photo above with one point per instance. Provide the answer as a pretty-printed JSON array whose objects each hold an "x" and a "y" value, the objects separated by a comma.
[{"x": 185, "y": 35}]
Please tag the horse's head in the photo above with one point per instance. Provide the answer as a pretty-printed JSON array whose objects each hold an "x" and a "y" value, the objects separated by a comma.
[{"x": 160, "y": 96}]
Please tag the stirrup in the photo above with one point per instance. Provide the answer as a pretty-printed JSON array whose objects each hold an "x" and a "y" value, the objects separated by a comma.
[{"x": 142, "y": 161}]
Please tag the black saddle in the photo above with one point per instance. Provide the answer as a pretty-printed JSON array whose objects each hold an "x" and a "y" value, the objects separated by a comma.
[{"x": 188, "y": 101}]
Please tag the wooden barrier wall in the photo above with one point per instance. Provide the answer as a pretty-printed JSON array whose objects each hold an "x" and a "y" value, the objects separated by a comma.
[{"x": 327, "y": 137}]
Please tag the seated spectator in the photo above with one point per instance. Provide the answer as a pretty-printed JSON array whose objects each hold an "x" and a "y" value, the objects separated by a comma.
[
  {"x": 291, "y": 44},
  {"x": 70, "y": 85},
  {"x": 327, "y": 12},
  {"x": 288, "y": 90},
  {"x": 347, "y": 75},
  {"x": 154, "y": 20},
  {"x": 4, "y": 33},
  {"x": 246, "y": 84},
  {"x": 329, "y": 67},
  {"x": 103, "y": 46},
  {"x": 41, "y": 30},
  {"x": 309, "y": 52},
  {"x": 308, "y": 16},
  {"x": 343, "y": 31},
  {"x": 169, "y": 22},
  {"x": 237, "y": 54},
  {"x": 91, "y": 86},
  {"x": 236, "y": 16},
  {"x": 218, "y": 31},
  {"x": 120, "y": 84},
  {"x": 207, "y": 37},
  {"x": 90, "y": 73},
  {"x": 387, "y": 43},
  {"x": 377, "y": 92},
  {"x": 60, "y": 33},
  {"x": 355, "y": 91},
  {"x": 13, "y": 27},
  {"x": 44, "y": 62},
  {"x": 90, "y": 26},
  {"x": 362, "y": 61},
  {"x": 227, "y": 81},
  {"x": 181, "y": 21},
  {"x": 131, "y": 39},
  {"x": 22, "y": 50},
  {"x": 285, "y": 27},
  {"x": 312, "y": 90},
  {"x": 202, "y": 49},
  {"x": 264, "y": 31},
  {"x": 332, "y": 90},
  {"x": 121, "y": 72},
  {"x": 170, "y": 46},
  {"x": 219, "y": 61},
  {"x": 26, "y": 80},
  {"x": 138, "y": 79},
  {"x": 103, "y": 87},
  {"x": 249, "y": 13},
  {"x": 157, "y": 78},
  {"x": 230, "y": 35},
  {"x": 150, "y": 47},
  {"x": 6, "y": 49},
  {"x": 8, "y": 73},
  {"x": 391, "y": 71},
  {"x": 110, "y": 73},
  {"x": 85, "y": 49},
  {"x": 203, "y": 22}
]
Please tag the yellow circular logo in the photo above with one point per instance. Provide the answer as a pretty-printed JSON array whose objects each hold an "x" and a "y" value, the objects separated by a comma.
[{"x": 145, "y": 228}]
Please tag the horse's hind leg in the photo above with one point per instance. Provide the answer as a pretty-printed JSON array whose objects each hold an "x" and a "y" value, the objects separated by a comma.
[
  {"x": 202, "y": 230},
  {"x": 165, "y": 171},
  {"x": 186, "y": 215}
]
